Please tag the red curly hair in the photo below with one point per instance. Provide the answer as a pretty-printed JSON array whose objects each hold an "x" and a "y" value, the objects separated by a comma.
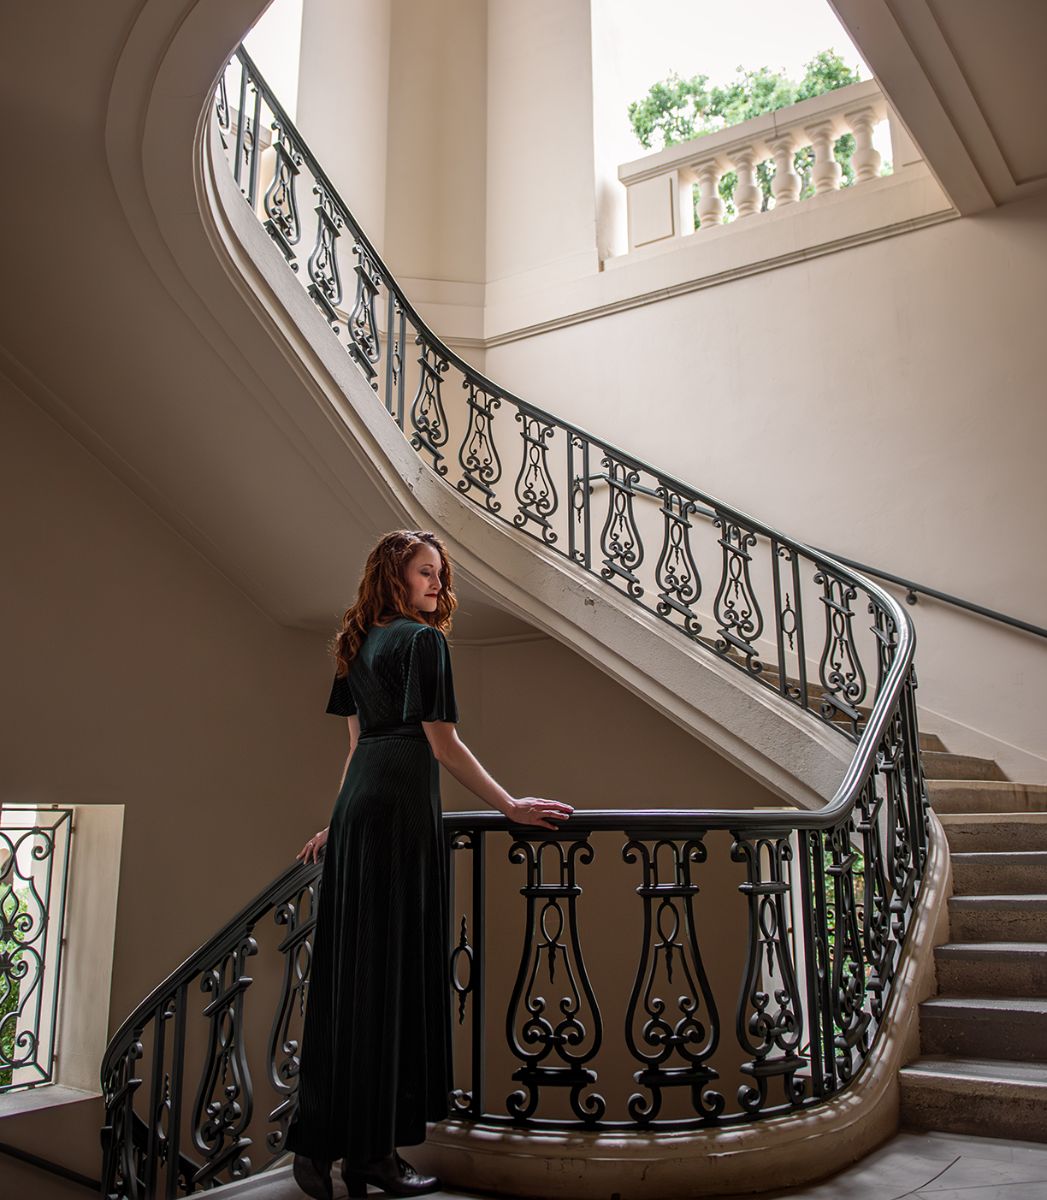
[{"x": 382, "y": 594}]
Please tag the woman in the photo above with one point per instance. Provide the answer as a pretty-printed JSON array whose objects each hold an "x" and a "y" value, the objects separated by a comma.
[{"x": 376, "y": 1045}]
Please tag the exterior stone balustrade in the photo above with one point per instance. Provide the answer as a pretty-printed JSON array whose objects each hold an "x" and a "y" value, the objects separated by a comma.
[{"x": 660, "y": 186}]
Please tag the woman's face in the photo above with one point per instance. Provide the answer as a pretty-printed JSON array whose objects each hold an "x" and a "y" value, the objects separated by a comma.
[{"x": 424, "y": 578}]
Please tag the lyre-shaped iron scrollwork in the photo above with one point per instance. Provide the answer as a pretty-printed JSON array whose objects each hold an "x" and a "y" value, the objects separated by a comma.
[
  {"x": 122, "y": 1160},
  {"x": 326, "y": 285},
  {"x": 554, "y": 1051},
  {"x": 620, "y": 539},
  {"x": 222, "y": 111},
  {"x": 679, "y": 581},
  {"x": 840, "y": 668},
  {"x": 535, "y": 491},
  {"x": 770, "y": 1016},
  {"x": 281, "y": 202},
  {"x": 428, "y": 419},
  {"x": 847, "y": 975},
  {"x": 875, "y": 900},
  {"x": 224, "y": 1102},
  {"x": 736, "y": 608},
  {"x": 901, "y": 851},
  {"x": 478, "y": 454},
  {"x": 365, "y": 347},
  {"x": 675, "y": 1049},
  {"x": 298, "y": 915}
]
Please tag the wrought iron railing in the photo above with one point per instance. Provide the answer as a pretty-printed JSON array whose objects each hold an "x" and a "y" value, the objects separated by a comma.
[
  {"x": 35, "y": 845},
  {"x": 743, "y": 959}
]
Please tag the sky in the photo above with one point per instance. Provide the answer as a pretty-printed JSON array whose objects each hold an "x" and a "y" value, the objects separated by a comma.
[{"x": 713, "y": 37}]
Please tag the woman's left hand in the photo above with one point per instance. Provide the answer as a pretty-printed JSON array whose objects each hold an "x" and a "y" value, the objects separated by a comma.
[{"x": 534, "y": 810}]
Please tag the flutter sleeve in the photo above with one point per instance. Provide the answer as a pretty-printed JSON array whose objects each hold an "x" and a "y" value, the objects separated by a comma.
[
  {"x": 341, "y": 703},
  {"x": 429, "y": 691}
]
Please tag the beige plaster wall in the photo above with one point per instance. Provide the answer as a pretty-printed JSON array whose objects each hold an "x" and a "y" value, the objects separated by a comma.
[
  {"x": 540, "y": 173},
  {"x": 885, "y": 402},
  {"x": 343, "y": 97},
  {"x": 436, "y": 128},
  {"x": 136, "y": 675},
  {"x": 556, "y": 726}
]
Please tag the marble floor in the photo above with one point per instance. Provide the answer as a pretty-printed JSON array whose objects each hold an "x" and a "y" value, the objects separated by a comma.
[{"x": 911, "y": 1166}]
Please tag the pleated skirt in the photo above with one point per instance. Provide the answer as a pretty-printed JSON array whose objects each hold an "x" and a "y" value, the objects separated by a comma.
[{"x": 376, "y": 1043}]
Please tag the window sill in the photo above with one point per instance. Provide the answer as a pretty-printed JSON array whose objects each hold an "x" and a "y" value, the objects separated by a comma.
[{"x": 46, "y": 1095}]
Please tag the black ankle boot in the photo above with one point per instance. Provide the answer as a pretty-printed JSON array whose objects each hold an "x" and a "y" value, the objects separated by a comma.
[
  {"x": 392, "y": 1174},
  {"x": 313, "y": 1177}
]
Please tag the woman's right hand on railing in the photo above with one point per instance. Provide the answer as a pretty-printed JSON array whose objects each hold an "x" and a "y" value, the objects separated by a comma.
[{"x": 310, "y": 852}]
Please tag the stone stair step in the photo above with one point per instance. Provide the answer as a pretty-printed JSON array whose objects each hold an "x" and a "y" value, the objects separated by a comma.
[
  {"x": 986, "y": 1097},
  {"x": 994, "y": 874},
  {"x": 1001, "y": 1027},
  {"x": 931, "y": 741},
  {"x": 942, "y": 765},
  {"x": 998, "y": 918},
  {"x": 928, "y": 741},
  {"x": 992, "y": 968},
  {"x": 995, "y": 831},
  {"x": 985, "y": 795}
]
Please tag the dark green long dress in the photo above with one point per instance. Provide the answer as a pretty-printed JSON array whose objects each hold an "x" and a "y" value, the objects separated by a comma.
[{"x": 376, "y": 1041}]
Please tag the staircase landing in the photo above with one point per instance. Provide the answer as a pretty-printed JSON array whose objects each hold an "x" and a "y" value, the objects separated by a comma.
[{"x": 918, "y": 1166}]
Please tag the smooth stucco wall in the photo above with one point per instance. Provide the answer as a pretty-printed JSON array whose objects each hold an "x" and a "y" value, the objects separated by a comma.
[
  {"x": 884, "y": 403},
  {"x": 137, "y": 675}
]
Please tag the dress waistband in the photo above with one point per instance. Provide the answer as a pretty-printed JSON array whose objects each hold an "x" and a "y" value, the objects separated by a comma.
[{"x": 409, "y": 731}]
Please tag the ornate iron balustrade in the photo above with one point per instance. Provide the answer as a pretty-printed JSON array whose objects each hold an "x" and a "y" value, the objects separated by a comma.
[
  {"x": 35, "y": 845},
  {"x": 200, "y": 1081},
  {"x": 172, "y": 1130},
  {"x": 710, "y": 1035},
  {"x": 730, "y": 584}
]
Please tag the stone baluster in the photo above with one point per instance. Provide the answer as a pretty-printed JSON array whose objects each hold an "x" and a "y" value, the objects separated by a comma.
[
  {"x": 785, "y": 187},
  {"x": 866, "y": 160},
  {"x": 827, "y": 171},
  {"x": 747, "y": 194},
  {"x": 710, "y": 206}
]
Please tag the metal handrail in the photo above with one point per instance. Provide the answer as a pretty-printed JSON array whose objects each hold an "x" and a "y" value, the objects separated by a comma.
[
  {"x": 913, "y": 589},
  {"x": 52, "y": 1168}
]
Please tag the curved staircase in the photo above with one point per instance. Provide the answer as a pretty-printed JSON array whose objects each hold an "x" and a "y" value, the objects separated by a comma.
[
  {"x": 983, "y": 1037},
  {"x": 837, "y": 901}
]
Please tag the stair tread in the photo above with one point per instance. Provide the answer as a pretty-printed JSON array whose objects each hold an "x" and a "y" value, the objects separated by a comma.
[
  {"x": 1030, "y": 1005},
  {"x": 990, "y": 857},
  {"x": 1020, "y": 817},
  {"x": 977, "y": 785},
  {"x": 1001, "y": 900},
  {"x": 978, "y": 1070},
  {"x": 991, "y": 949},
  {"x": 943, "y": 764},
  {"x": 952, "y": 754}
]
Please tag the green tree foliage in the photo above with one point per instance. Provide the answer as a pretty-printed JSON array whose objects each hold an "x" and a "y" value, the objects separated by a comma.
[{"x": 678, "y": 110}]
